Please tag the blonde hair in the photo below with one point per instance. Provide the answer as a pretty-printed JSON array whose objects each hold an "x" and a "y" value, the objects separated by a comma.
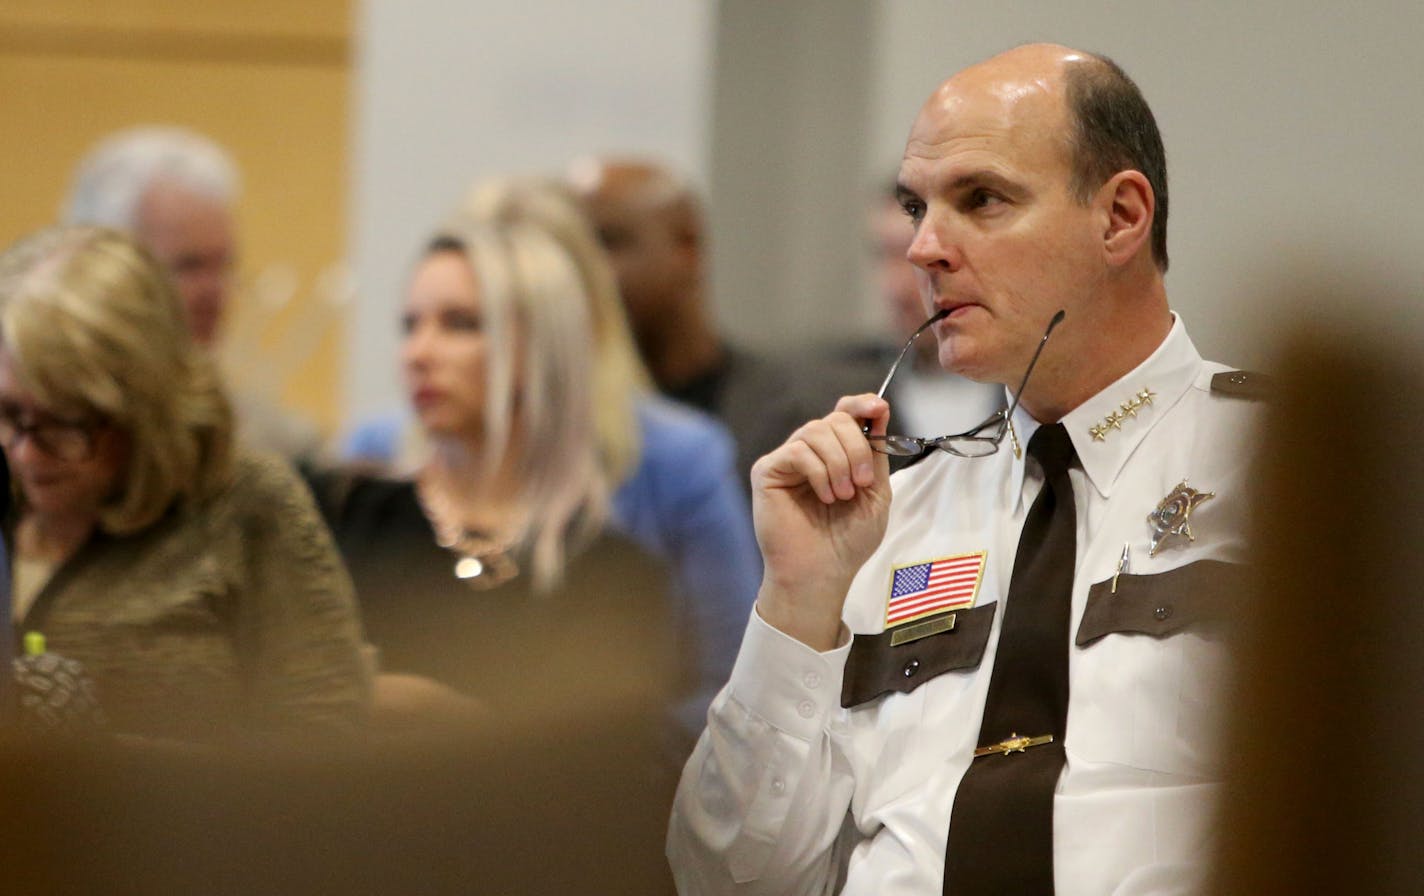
[
  {"x": 93, "y": 326},
  {"x": 539, "y": 365},
  {"x": 619, "y": 377}
]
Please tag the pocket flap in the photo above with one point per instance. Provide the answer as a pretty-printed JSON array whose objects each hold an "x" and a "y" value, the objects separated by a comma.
[
  {"x": 876, "y": 665},
  {"x": 1161, "y": 604}
]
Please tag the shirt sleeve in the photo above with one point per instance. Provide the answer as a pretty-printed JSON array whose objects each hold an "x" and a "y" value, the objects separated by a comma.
[
  {"x": 684, "y": 504},
  {"x": 766, "y": 791},
  {"x": 718, "y": 572},
  {"x": 373, "y": 440}
]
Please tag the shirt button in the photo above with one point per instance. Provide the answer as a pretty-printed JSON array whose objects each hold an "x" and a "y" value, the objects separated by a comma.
[
  {"x": 812, "y": 680},
  {"x": 806, "y": 708},
  {"x": 778, "y": 786},
  {"x": 1162, "y": 613},
  {"x": 911, "y": 668}
]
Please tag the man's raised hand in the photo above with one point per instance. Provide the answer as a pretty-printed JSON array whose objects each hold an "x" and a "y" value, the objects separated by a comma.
[{"x": 820, "y": 503}]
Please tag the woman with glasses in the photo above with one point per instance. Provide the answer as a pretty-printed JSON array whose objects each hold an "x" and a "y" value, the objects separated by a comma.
[{"x": 191, "y": 578}]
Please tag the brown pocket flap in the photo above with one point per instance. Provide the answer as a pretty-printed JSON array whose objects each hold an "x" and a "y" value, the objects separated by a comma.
[
  {"x": 878, "y": 666},
  {"x": 1161, "y": 604}
]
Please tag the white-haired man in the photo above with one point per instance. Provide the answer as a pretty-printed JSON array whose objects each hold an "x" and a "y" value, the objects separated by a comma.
[{"x": 174, "y": 190}]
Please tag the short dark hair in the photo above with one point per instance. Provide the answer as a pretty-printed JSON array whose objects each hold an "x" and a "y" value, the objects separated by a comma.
[{"x": 1112, "y": 130}]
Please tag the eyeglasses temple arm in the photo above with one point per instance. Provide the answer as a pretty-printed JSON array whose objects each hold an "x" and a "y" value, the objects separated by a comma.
[
  {"x": 885, "y": 384},
  {"x": 938, "y": 316},
  {"x": 1057, "y": 319}
]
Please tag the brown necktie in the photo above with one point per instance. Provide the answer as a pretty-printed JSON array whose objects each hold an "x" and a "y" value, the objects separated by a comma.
[{"x": 1001, "y": 827}]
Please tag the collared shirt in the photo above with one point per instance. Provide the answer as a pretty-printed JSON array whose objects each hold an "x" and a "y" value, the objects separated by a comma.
[
  {"x": 936, "y": 403},
  {"x": 789, "y": 792}
]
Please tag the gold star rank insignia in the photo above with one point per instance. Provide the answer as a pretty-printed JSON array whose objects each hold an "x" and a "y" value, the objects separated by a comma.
[
  {"x": 1173, "y": 516},
  {"x": 1124, "y": 412}
]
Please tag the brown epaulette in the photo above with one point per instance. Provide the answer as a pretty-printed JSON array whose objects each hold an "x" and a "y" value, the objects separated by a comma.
[{"x": 1243, "y": 384}]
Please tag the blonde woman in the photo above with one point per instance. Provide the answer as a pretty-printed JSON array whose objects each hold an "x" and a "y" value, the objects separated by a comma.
[
  {"x": 193, "y": 580},
  {"x": 491, "y": 569},
  {"x": 669, "y": 467}
]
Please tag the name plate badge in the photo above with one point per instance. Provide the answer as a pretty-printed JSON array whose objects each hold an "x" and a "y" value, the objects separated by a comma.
[{"x": 922, "y": 630}]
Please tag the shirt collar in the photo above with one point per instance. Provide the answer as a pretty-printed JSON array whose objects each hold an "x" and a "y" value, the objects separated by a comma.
[{"x": 1107, "y": 428}]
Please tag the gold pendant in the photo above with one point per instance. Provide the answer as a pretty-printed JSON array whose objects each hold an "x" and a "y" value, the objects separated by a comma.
[{"x": 485, "y": 570}]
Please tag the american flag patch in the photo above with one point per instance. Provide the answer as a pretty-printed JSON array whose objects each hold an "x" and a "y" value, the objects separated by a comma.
[{"x": 923, "y": 589}]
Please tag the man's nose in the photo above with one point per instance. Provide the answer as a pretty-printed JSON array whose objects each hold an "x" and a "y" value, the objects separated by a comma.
[
  {"x": 216, "y": 285},
  {"x": 933, "y": 248}
]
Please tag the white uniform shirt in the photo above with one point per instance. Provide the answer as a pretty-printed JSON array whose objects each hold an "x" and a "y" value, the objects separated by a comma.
[
  {"x": 787, "y": 792},
  {"x": 936, "y": 404}
]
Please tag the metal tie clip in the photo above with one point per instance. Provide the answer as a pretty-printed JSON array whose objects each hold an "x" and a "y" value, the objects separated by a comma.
[{"x": 1014, "y": 743}]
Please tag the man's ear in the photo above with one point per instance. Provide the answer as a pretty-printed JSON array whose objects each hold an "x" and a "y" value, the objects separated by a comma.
[{"x": 1129, "y": 204}]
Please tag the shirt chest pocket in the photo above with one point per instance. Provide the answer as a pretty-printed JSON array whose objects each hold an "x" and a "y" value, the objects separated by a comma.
[
  {"x": 885, "y": 688},
  {"x": 904, "y": 658},
  {"x": 1151, "y": 669}
]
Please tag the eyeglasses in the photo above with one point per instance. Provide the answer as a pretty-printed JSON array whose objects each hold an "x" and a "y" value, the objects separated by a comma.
[
  {"x": 981, "y": 441},
  {"x": 61, "y": 438}
]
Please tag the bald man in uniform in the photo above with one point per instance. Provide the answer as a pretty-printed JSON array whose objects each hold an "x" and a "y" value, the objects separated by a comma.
[{"x": 1004, "y": 680}]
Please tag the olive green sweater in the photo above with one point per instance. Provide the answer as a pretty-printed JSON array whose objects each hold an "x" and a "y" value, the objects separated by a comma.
[{"x": 227, "y": 617}]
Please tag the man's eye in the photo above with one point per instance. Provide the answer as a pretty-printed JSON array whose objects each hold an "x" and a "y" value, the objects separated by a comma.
[
  {"x": 614, "y": 239},
  {"x": 913, "y": 209},
  {"x": 187, "y": 266},
  {"x": 982, "y": 198}
]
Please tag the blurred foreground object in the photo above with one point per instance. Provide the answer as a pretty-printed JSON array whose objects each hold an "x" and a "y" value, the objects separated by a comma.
[
  {"x": 1326, "y": 776},
  {"x": 529, "y": 810}
]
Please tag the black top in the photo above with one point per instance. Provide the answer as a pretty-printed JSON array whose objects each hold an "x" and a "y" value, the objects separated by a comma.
[{"x": 601, "y": 636}]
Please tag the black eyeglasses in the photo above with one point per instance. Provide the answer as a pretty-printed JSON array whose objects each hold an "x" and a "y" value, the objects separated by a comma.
[
  {"x": 981, "y": 441},
  {"x": 61, "y": 438}
]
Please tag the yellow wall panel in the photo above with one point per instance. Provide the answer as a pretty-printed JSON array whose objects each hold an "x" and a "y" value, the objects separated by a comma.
[
  {"x": 327, "y": 18},
  {"x": 282, "y": 114}
]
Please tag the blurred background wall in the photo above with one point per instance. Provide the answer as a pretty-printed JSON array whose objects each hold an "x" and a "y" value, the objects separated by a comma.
[
  {"x": 267, "y": 79},
  {"x": 1293, "y": 133},
  {"x": 449, "y": 91}
]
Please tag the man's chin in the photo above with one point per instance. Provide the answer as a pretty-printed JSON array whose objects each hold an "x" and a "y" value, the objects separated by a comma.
[
  {"x": 973, "y": 360},
  {"x": 961, "y": 361},
  {"x": 203, "y": 326}
]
